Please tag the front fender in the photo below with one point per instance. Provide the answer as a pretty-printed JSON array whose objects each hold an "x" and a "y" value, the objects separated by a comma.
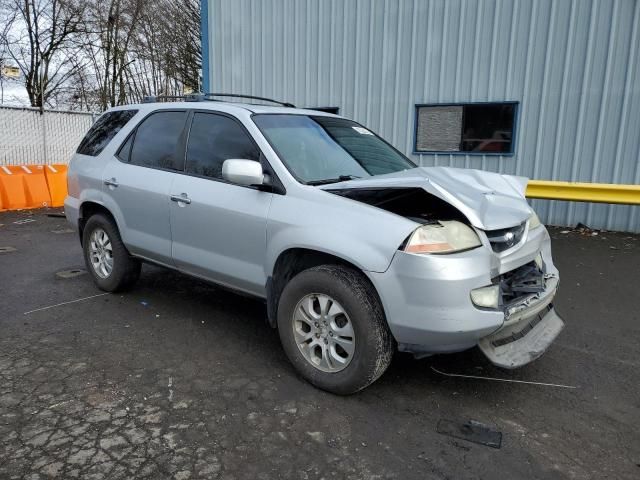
[{"x": 360, "y": 234}]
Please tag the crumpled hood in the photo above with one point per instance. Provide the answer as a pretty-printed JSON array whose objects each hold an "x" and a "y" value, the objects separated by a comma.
[{"x": 490, "y": 201}]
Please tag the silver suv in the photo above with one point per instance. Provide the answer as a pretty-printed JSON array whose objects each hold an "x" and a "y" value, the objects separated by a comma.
[{"x": 356, "y": 251}]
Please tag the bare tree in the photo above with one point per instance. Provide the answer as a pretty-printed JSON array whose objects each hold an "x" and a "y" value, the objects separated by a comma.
[
  {"x": 40, "y": 40},
  {"x": 180, "y": 27},
  {"x": 95, "y": 54}
]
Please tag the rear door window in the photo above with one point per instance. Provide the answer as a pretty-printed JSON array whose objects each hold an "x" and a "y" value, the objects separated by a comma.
[
  {"x": 101, "y": 133},
  {"x": 212, "y": 140},
  {"x": 157, "y": 141}
]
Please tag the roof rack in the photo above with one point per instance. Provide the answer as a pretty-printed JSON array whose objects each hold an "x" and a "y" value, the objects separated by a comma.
[{"x": 206, "y": 97}]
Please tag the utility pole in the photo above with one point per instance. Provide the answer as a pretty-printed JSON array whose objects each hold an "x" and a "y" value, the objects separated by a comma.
[{"x": 1, "y": 81}]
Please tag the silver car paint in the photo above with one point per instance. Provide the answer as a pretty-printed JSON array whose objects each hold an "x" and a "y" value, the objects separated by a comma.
[
  {"x": 230, "y": 242},
  {"x": 234, "y": 234},
  {"x": 428, "y": 297}
]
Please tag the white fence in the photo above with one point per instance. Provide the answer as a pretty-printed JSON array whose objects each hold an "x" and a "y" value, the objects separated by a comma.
[{"x": 30, "y": 137}]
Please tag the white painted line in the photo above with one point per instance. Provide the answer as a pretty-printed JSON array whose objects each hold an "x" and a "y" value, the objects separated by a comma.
[
  {"x": 52, "y": 168},
  {"x": 25, "y": 168},
  {"x": 7, "y": 171},
  {"x": 477, "y": 377},
  {"x": 65, "y": 303}
]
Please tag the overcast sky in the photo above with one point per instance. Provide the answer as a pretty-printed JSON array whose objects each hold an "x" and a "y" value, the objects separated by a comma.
[{"x": 15, "y": 94}]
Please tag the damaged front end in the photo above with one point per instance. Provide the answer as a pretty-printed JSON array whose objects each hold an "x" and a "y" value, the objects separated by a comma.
[
  {"x": 477, "y": 269},
  {"x": 414, "y": 203},
  {"x": 531, "y": 323}
]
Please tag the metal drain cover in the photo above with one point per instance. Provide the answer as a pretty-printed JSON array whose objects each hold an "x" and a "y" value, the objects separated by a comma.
[{"x": 74, "y": 272}]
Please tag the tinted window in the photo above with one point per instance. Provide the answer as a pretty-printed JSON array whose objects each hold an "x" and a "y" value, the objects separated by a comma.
[
  {"x": 124, "y": 153},
  {"x": 156, "y": 141},
  {"x": 480, "y": 127},
  {"x": 214, "y": 139},
  {"x": 317, "y": 148},
  {"x": 105, "y": 128}
]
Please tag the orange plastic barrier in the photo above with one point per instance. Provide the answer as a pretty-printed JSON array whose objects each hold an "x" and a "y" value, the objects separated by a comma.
[
  {"x": 57, "y": 182},
  {"x": 12, "y": 194},
  {"x": 28, "y": 186},
  {"x": 35, "y": 185}
]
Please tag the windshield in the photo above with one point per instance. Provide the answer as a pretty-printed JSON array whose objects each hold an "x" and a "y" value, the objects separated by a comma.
[{"x": 319, "y": 149}]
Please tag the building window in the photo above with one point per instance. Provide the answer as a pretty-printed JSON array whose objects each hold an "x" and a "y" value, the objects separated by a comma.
[{"x": 469, "y": 128}]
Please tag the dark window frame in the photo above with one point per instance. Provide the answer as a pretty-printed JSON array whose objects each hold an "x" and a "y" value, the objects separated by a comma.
[
  {"x": 132, "y": 134},
  {"x": 231, "y": 117},
  {"x": 133, "y": 111},
  {"x": 278, "y": 186},
  {"x": 514, "y": 130}
]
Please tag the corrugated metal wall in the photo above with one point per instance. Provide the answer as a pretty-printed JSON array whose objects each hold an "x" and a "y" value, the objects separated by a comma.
[{"x": 573, "y": 65}]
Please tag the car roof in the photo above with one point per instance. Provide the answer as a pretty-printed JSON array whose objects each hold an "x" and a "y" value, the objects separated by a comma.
[{"x": 227, "y": 107}]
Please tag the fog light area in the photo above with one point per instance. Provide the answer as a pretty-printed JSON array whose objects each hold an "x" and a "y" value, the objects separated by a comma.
[{"x": 486, "y": 297}]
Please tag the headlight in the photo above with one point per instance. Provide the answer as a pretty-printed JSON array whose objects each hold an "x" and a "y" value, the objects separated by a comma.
[
  {"x": 534, "y": 221},
  {"x": 442, "y": 237}
]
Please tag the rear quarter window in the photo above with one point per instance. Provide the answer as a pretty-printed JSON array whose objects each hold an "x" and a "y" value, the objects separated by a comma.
[{"x": 101, "y": 133}]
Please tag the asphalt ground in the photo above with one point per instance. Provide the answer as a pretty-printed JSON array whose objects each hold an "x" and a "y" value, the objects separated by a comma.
[{"x": 181, "y": 379}]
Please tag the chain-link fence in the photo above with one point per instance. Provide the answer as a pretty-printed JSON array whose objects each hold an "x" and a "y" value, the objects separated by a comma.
[{"x": 30, "y": 137}]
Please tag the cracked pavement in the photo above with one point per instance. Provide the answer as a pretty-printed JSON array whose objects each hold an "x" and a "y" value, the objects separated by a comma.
[{"x": 179, "y": 379}]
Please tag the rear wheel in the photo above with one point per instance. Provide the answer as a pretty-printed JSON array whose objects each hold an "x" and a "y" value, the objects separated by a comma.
[
  {"x": 106, "y": 257},
  {"x": 333, "y": 329}
]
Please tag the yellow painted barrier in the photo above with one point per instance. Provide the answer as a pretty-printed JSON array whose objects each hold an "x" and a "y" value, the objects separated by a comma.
[
  {"x": 16, "y": 193},
  {"x": 584, "y": 192}
]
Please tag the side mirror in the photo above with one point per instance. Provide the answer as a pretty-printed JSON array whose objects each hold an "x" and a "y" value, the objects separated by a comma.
[{"x": 243, "y": 172}]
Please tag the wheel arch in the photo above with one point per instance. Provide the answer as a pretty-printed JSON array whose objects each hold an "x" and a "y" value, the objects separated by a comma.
[
  {"x": 89, "y": 208},
  {"x": 294, "y": 260}
]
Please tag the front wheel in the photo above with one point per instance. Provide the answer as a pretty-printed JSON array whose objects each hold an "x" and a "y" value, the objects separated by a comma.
[
  {"x": 106, "y": 257},
  {"x": 332, "y": 328}
]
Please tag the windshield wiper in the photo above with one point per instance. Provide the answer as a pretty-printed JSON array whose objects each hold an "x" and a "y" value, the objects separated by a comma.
[{"x": 341, "y": 178}]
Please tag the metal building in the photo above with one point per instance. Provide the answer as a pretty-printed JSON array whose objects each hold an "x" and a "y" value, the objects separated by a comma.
[{"x": 548, "y": 89}]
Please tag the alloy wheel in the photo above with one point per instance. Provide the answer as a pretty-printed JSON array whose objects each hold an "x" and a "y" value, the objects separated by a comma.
[
  {"x": 101, "y": 253},
  {"x": 323, "y": 332}
]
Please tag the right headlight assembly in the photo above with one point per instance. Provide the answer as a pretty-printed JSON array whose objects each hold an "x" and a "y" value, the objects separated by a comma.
[
  {"x": 445, "y": 236},
  {"x": 534, "y": 221}
]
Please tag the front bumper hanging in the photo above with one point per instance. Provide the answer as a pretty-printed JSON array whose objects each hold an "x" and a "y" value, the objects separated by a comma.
[{"x": 523, "y": 338}]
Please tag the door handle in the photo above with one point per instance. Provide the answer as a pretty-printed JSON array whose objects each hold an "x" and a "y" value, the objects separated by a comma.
[
  {"x": 182, "y": 198},
  {"x": 111, "y": 182}
]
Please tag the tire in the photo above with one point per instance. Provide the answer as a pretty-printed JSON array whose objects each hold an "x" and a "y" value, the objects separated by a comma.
[
  {"x": 124, "y": 271},
  {"x": 342, "y": 370}
]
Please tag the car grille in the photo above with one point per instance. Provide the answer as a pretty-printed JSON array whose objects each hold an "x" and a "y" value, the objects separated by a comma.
[
  {"x": 505, "y": 238},
  {"x": 522, "y": 282}
]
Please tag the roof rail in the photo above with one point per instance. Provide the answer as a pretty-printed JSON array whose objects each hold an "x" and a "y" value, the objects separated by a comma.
[
  {"x": 193, "y": 97},
  {"x": 200, "y": 97}
]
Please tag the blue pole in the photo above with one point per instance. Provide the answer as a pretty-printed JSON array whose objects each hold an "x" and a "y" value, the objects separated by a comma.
[{"x": 204, "y": 36}]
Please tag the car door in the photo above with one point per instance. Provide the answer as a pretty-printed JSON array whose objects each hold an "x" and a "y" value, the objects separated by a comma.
[
  {"x": 137, "y": 183},
  {"x": 219, "y": 228}
]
